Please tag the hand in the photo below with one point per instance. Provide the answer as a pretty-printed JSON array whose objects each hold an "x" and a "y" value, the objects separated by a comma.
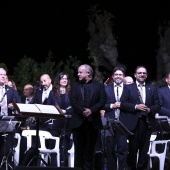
[
  {"x": 87, "y": 112},
  {"x": 10, "y": 105},
  {"x": 64, "y": 111},
  {"x": 102, "y": 112},
  {"x": 142, "y": 107},
  {"x": 115, "y": 105}
]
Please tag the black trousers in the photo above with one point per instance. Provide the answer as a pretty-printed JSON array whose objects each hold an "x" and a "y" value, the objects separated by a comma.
[
  {"x": 85, "y": 138},
  {"x": 139, "y": 145},
  {"x": 116, "y": 151},
  {"x": 7, "y": 143}
]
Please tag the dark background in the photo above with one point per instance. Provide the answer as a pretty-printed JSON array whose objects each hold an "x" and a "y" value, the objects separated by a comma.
[{"x": 33, "y": 28}]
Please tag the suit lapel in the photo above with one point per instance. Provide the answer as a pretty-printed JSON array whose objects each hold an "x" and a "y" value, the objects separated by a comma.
[
  {"x": 167, "y": 91},
  {"x": 147, "y": 88},
  {"x": 112, "y": 92}
]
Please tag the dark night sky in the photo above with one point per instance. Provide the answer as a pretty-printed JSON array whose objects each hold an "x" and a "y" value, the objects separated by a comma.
[{"x": 32, "y": 29}]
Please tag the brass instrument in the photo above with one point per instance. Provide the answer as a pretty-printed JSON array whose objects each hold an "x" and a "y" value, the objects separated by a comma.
[{"x": 108, "y": 81}]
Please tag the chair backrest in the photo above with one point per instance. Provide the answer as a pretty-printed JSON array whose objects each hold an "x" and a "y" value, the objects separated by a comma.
[
  {"x": 43, "y": 135},
  {"x": 71, "y": 153},
  {"x": 17, "y": 148},
  {"x": 28, "y": 134}
]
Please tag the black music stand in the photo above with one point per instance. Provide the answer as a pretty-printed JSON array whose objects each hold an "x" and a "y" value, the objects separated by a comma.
[
  {"x": 6, "y": 126},
  {"x": 38, "y": 111},
  {"x": 162, "y": 125},
  {"x": 119, "y": 127}
]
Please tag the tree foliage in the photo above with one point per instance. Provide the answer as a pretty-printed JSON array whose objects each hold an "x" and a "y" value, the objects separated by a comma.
[
  {"x": 29, "y": 71},
  {"x": 163, "y": 55},
  {"x": 102, "y": 43}
]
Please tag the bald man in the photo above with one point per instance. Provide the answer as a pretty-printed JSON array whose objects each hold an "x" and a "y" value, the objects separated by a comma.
[
  {"x": 128, "y": 80},
  {"x": 28, "y": 92},
  {"x": 42, "y": 94}
]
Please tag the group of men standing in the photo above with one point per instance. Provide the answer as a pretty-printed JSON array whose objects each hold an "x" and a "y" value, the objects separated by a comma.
[{"x": 134, "y": 105}]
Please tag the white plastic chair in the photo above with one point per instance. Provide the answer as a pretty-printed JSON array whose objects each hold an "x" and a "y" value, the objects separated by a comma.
[
  {"x": 17, "y": 149},
  {"x": 71, "y": 154},
  {"x": 152, "y": 138},
  {"x": 43, "y": 135},
  {"x": 161, "y": 156}
]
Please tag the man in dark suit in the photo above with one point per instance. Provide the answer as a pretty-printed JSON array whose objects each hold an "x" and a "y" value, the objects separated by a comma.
[
  {"x": 164, "y": 97},
  {"x": 116, "y": 143},
  {"x": 41, "y": 94},
  {"x": 140, "y": 104},
  {"x": 87, "y": 98},
  {"x": 7, "y": 95}
]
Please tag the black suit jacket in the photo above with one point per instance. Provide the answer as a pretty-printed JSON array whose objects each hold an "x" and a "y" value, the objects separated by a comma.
[
  {"x": 110, "y": 113},
  {"x": 130, "y": 99},
  {"x": 38, "y": 96},
  {"x": 12, "y": 94},
  {"x": 97, "y": 100},
  {"x": 164, "y": 97}
]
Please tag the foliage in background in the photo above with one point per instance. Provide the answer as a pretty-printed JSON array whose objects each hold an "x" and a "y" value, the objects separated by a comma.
[
  {"x": 28, "y": 71},
  {"x": 163, "y": 54},
  {"x": 3, "y": 65},
  {"x": 102, "y": 43}
]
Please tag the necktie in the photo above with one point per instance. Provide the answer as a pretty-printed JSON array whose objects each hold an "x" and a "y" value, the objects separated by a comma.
[
  {"x": 3, "y": 102},
  {"x": 117, "y": 111},
  {"x": 1, "y": 93},
  {"x": 141, "y": 93},
  {"x": 117, "y": 94}
]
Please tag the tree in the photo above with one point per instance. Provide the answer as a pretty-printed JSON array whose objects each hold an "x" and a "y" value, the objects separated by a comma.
[
  {"x": 3, "y": 65},
  {"x": 26, "y": 71},
  {"x": 163, "y": 55},
  {"x": 102, "y": 43},
  {"x": 29, "y": 71}
]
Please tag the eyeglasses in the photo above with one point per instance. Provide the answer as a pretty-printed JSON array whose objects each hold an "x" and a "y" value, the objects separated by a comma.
[
  {"x": 118, "y": 74},
  {"x": 142, "y": 73}
]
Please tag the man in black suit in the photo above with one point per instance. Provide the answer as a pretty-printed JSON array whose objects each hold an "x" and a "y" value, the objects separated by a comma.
[
  {"x": 41, "y": 94},
  {"x": 116, "y": 144},
  {"x": 140, "y": 103},
  {"x": 164, "y": 97},
  {"x": 7, "y": 95},
  {"x": 87, "y": 98}
]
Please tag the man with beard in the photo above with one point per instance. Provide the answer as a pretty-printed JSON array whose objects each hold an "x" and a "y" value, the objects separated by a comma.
[
  {"x": 87, "y": 97},
  {"x": 116, "y": 144},
  {"x": 140, "y": 104}
]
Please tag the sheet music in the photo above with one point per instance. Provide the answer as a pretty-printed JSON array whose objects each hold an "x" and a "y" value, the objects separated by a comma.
[
  {"x": 28, "y": 108},
  {"x": 47, "y": 109},
  {"x": 37, "y": 110}
]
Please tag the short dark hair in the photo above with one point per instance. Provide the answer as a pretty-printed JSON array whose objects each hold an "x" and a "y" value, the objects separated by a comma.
[
  {"x": 140, "y": 66},
  {"x": 167, "y": 74},
  {"x": 119, "y": 68}
]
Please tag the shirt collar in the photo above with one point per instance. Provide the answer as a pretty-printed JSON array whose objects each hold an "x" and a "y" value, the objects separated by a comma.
[
  {"x": 140, "y": 84},
  {"x": 116, "y": 85}
]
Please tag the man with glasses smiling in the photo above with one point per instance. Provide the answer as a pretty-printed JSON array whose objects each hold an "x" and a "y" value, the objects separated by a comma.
[
  {"x": 140, "y": 104},
  {"x": 116, "y": 147}
]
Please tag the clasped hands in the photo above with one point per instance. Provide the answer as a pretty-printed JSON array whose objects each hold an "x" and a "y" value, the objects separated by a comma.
[
  {"x": 115, "y": 105},
  {"x": 142, "y": 107},
  {"x": 87, "y": 112}
]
